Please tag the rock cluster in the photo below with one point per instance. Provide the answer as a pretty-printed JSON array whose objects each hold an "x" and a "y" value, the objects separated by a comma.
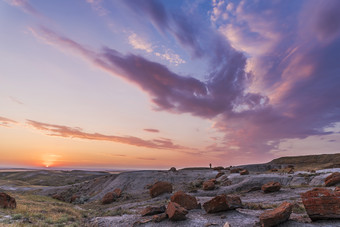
[
  {"x": 153, "y": 210},
  {"x": 208, "y": 185}
]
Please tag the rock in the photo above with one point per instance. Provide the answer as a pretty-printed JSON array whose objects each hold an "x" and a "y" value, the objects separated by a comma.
[
  {"x": 58, "y": 197},
  {"x": 271, "y": 187},
  {"x": 217, "y": 204},
  {"x": 332, "y": 179},
  {"x": 322, "y": 203},
  {"x": 159, "y": 217},
  {"x": 226, "y": 224},
  {"x": 276, "y": 216},
  {"x": 274, "y": 170},
  {"x": 235, "y": 170},
  {"x": 187, "y": 201},
  {"x": 222, "y": 203},
  {"x": 291, "y": 166},
  {"x": 7, "y": 201},
  {"x": 152, "y": 210},
  {"x": 233, "y": 202},
  {"x": 219, "y": 175},
  {"x": 109, "y": 198},
  {"x": 175, "y": 212},
  {"x": 208, "y": 185},
  {"x": 218, "y": 168},
  {"x": 118, "y": 192},
  {"x": 244, "y": 172},
  {"x": 173, "y": 169},
  {"x": 160, "y": 188}
]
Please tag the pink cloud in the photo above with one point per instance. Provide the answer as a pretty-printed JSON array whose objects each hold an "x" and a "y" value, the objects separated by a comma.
[
  {"x": 151, "y": 130},
  {"x": 69, "y": 132},
  {"x": 6, "y": 121}
]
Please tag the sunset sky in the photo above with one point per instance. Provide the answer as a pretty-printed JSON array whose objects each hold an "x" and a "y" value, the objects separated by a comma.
[{"x": 147, "y": 84}]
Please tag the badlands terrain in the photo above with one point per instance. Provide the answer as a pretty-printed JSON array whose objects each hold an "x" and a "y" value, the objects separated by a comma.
[{"x": 134, "y": 198}]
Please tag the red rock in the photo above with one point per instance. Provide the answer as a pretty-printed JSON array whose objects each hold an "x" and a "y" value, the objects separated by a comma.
[
  {"x": 187, "y": 201},
  {"x": 7, "y": 201},
  {"x": 271, "y": 187},
  {"x": 233, "y": 202},
  {"x": 118, "y": 192},
  {"x": 276, "y": 216},
  {"x": 244, "y": 172},
  {"x": 332, "y": 179},
  {"x": 159, "y": 217},
  {"x": 218, "y": 168},
  {"x": 175, "y": 212},
  {"x": 159, "y": 188},
  {"x": 290, "y": 170},
  {"x": 222, "y": 203},
  {"x": 208, "y": 185},
  {"x": 322, "y": 203},
  {"x": 219, "y": 175},
  {"x": 274, "y": 170},
  {"x": 152, "y": 210}
]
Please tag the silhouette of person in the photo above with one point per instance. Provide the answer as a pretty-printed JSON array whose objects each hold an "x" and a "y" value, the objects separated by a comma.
[{"x": 210, "y": 165}]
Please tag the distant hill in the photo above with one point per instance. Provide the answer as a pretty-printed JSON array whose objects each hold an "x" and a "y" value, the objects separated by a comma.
[{"x": 310, "y": 161}]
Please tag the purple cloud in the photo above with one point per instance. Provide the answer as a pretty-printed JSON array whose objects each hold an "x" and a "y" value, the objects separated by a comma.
[{"x": 300, "y": 75}]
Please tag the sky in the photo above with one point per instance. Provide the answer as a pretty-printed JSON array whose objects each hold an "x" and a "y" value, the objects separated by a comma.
[{"x": 153, "y": 84}]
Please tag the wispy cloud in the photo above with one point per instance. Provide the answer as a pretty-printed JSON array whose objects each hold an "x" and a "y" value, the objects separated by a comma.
[
  {"x": 171, "y": 57},
  {"x": 15, "y": 100},
  {"x": 6, "y": 122},
  {"x": 69, "y": 132},
  {"x": 151, "y": 130},
  {"x": 26, "y": 7}
]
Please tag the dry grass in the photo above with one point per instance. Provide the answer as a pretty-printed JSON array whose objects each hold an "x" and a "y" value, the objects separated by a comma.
[{"x": 34, "y": 210}]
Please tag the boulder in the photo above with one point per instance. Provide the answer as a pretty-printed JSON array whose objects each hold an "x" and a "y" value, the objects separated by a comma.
[
  {"x": 175, "y": 212},
  {"x": 172, "y": 169},
  {"x": 332, "y": 179},
  {"x": 187, "y": 201},
  {"x": 7, "y": 201},
  {"x": 160, "y": 188},
  {"x": 208, "y": 185},
  {"x": 244, "y": 172},
  {"x": 271, "y": 187},
  {"x": 222, "y": 203},
  {"x": 111, "y": 196},
  {"x": 274, "y": 170},
  {"x": 233, "y": 202},
  {"x": 219, "y": 175},
  {"x": 152, "y": 210},
  {"x": 218, "y": 168},
  {"x": 276, "y": 216},
  {"x": 322, "y": 203}
]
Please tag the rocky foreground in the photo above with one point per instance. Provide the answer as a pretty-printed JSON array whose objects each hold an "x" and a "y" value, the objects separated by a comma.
[
  {"x": 278, "y": 195},
  {"x": 211, "y": 197}
]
